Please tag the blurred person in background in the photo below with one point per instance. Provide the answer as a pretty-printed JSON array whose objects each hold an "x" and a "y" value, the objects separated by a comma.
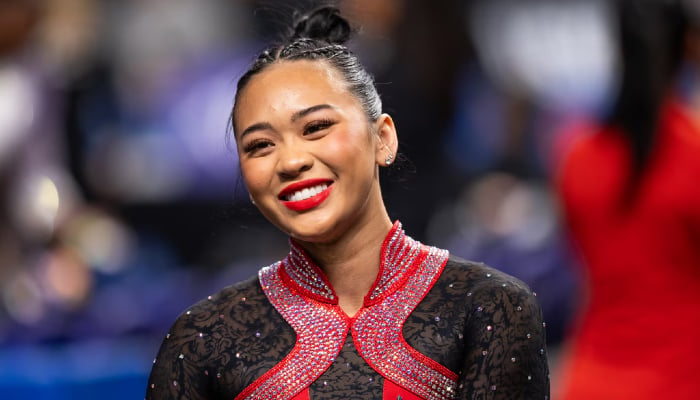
[
  {"x": 358, "y": 309},
  {"x": 631, "y": 198}
]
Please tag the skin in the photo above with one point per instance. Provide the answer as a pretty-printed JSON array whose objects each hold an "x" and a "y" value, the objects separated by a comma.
[{"x": 295, "y": 121}]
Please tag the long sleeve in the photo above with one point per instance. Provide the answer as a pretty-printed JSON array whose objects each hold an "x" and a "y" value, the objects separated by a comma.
[{"x": 505, "y": 355}]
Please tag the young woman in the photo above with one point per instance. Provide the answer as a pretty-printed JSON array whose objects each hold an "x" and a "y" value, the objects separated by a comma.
[{"x": 358, "y": 309}]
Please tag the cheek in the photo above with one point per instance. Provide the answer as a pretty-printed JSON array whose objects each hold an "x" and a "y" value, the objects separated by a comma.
[
  {"x": 353, "y": 149},
  {"x": 255, "y": 176}
]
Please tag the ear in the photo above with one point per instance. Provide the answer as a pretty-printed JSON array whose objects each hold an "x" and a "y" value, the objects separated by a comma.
[{"x": 387, "y": 143}]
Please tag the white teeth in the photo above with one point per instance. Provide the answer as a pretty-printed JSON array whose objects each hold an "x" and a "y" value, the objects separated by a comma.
[{"x": 306, "y": 193}]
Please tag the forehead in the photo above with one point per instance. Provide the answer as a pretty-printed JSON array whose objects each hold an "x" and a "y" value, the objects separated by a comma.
[
  {"x": 291, "y": 85},
  {"x": 296, "y": 71}
]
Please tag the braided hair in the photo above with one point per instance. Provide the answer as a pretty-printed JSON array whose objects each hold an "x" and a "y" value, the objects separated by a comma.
[{"x": 320, "y": 35}]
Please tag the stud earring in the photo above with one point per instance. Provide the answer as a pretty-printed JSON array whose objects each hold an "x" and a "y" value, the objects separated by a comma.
[{"x": 389, "y": 159}]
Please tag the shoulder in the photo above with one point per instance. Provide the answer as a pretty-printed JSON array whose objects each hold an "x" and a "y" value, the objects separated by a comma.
[
  {"x": 477, "y": 276},
  {"x": 248, "y": 289},
  {"x": 224, "y": 305},
  {"x": 489, "y": 290}
]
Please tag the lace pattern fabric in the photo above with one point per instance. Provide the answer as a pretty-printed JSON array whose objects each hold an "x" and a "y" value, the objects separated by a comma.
[{"x": 481, "y": 324}]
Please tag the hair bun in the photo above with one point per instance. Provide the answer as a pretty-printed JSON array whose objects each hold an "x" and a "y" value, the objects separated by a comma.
[{"x": 324, "y": 23}]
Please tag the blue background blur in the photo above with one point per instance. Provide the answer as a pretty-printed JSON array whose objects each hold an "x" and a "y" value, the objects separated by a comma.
[{"x": 120, "y": 202}]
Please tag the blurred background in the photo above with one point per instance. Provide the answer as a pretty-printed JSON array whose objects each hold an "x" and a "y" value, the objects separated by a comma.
[{"x": 120, "y": 203}]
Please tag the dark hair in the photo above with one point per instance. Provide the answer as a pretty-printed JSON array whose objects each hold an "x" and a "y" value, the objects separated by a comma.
[
  {"x": 651, "y": 36},
  {"x": 320, "y": 35}
]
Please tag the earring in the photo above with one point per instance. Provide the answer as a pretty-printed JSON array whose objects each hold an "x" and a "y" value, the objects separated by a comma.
[{"x": 389, "y": 159}]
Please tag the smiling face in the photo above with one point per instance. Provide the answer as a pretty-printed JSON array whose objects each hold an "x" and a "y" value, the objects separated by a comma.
[{"x": 307, "y": 152}]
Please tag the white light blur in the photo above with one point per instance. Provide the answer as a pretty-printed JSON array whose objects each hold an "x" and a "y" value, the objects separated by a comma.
[
  {"x": 46, "y": 201},
  {"x": 17, "y": 103},
  {"x": 35, "y": 204},
  {"x": 562, "y": 53}
]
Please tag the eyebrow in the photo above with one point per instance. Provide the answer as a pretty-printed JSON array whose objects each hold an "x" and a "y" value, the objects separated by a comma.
[
  {"x": 307, "y": 111},
  {"x": 261, "y": 126}
]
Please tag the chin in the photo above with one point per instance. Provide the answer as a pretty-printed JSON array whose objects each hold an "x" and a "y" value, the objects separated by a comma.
[
  {"x": 318, "y": 231},
  {"x": 313, "y": 235}
]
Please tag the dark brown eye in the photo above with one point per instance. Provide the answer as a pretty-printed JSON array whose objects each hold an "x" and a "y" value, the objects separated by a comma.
[
  {"x": 256, "y": 145},
  {"x": 316, "y": 126}
]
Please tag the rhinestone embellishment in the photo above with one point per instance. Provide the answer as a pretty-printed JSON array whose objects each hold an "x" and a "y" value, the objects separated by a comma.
[
  {"x": 321, "y": 332},
  {"x": 378, "y": 330},
  {"x": 299, "y": 290}
]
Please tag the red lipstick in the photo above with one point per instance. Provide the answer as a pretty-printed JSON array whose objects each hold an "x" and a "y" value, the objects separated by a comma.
[{"x": 309, "y": 203}]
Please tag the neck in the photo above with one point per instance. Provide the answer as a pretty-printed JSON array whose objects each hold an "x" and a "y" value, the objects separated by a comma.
[{"x": 351, "y": 264}]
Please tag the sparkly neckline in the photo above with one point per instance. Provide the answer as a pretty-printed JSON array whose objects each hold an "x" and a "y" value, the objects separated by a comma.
[
  {"x": 302, "y": 295},
  {"x": 398, "y": 258}
]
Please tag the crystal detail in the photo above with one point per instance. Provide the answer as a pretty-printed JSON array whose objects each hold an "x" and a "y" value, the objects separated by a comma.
[
  {"x": 379, "y": 332},
  {"x": 301, "y": 293}
]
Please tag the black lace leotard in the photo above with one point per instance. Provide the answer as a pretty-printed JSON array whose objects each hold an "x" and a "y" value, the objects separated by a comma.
[{"x": 433, "y": 327}]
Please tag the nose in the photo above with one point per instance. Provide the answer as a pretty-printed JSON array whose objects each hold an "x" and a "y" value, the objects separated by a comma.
[{"x": 293, "y": 160}]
